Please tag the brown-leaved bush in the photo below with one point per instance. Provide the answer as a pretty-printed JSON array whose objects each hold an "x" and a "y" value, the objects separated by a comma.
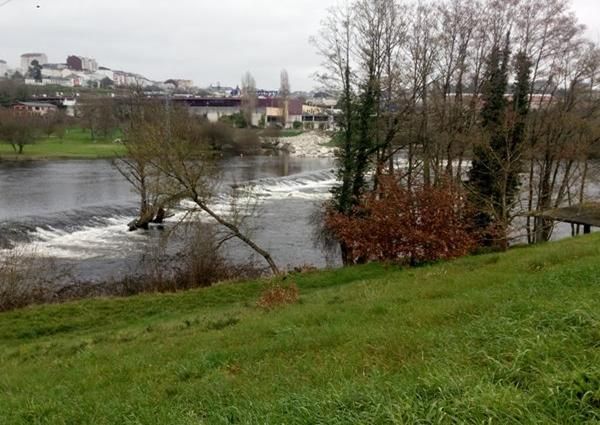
[
  {"x": 277, "y": 296},
  {"x": 404, "y": 226}
]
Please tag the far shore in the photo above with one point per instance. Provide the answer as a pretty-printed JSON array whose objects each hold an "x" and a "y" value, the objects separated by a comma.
[{"x": 77, "y": 144}]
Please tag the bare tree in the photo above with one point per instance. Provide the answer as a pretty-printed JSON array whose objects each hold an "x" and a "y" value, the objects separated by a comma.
[
  {"x": 19, "y": 129},
  {"x": 183, "y": 170},
  {"x": 335, "y": 44},
  {"x": 284, "y": 95},
  {"x": 98, "y": 114},
  {"x": 137, "y": 164},
  {"x": 249, "y": 99}
]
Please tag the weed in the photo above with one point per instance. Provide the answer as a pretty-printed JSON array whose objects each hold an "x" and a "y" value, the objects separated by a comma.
[{"x": 278, "y": 295}]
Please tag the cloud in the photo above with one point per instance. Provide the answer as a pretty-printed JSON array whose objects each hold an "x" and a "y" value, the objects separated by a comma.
[{"x": 207, "y": 41}]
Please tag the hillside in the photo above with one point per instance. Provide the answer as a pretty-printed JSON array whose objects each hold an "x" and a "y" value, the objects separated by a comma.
[{"x": 510, "y": 338}]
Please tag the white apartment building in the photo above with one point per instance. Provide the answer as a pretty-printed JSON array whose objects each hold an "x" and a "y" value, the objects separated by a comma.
[
  {"x": 89, "y": 64},
  {"x": 3, "y": 68},
  {"x": 28, "y": 58}
]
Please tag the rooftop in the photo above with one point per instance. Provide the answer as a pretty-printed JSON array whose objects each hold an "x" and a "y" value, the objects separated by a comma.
[
  {"x": 37, "y": 104},
  {"x": 54, "y": 65}
]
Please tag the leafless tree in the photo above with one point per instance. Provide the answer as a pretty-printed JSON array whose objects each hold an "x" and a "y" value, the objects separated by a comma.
[
  {"x": 249, "y": 99},
  {"x": 137, "y": 164},
  {"x": 284, "y": 95},
  {"x": 184, "y": 170},
  {"x": 20, "y": 129},
  {"x": 98, "y": 114}
]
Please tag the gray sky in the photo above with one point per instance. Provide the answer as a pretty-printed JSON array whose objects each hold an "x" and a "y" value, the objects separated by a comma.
[{"x": 203, "y": 40}]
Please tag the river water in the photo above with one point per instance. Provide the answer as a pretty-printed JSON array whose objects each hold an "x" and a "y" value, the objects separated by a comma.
[{"x": 76, "y": 212}]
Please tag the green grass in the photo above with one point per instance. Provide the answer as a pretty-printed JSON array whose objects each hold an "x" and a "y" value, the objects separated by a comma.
[
  {"x": 291, "y": 133},
  {"x": 499, "y": 339},
  {"x": 76, "y": 144},
  {"x": 284, "y": 133}
]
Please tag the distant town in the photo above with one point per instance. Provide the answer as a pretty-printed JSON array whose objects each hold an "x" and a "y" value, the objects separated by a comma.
[{"x": 61, "y": 83}]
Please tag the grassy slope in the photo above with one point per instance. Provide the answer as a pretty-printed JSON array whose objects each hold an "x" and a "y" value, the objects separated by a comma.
[
  {"x": 511, "y": 338},
  {"x": 76, "y": 144}
]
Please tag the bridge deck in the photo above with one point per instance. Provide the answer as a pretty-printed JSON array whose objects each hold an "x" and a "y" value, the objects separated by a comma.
[{"x": 587, "y": 215}]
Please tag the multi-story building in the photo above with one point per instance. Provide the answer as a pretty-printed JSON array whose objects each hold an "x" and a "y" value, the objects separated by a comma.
[
  {"x": 80, "y": 63},
  {"x": 28, "y": 58},
  {"x": 128, "y": 79}
]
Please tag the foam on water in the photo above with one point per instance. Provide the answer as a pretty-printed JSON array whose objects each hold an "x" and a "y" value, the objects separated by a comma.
[
  {"x": 311, "y": 185},
  {"x": 90, "y": 234}
]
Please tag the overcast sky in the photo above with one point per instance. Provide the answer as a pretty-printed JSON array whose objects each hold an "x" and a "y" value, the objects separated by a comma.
[{"x": 203, "y": 40}]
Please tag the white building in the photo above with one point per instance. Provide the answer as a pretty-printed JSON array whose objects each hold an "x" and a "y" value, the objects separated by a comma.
[
  {"x": 89, "y": 64},
  {"x": 71, "y": 80},
  {"x": 106, "y": 73},
  {"x": 56, "y": 70},
  {"x": 28, "y": 58},
  {"x": 128, "y": 79}
]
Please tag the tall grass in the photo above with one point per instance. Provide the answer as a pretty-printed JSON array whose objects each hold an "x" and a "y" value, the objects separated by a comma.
[{"x": 506, "y": 339}]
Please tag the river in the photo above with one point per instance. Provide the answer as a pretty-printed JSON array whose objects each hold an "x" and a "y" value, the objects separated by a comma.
[{"x": 76, "y": 212}]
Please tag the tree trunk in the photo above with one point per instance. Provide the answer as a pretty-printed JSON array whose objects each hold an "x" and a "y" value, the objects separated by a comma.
[{"x": 238, "y": 234}]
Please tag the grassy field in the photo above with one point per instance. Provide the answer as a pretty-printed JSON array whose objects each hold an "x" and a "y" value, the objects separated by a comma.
[
  {"x": 497, "y": 339},
  {"x": 76, "y": 144}
]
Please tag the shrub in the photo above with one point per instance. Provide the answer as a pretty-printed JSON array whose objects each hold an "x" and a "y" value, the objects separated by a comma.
[
  {"x": 195, "y": 262},
  {"x": 27, "y": 279},
  {"x": 277, "y": 296},
  {"x": 404, "y": 226},
  {"x": 217, "y": 134},
  {"x": 237, "y": 120},
  {"x": 246, "y": 142},
  {"x": 297, "y": 125}
]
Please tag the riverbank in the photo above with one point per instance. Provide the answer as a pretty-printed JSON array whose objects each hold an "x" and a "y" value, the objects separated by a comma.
[
  {"x": 310, "y": 144},
  {"x": 76, "y": 144},
  {"x": 503, "y": 338}
]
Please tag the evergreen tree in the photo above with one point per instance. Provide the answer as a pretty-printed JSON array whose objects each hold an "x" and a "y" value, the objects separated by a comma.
[
  {"x": 494, "y": 176},
  {"x": 35, "y": 71},
  {"x": 491, "y": 181},
  {"x": 520, "y": 104}
]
